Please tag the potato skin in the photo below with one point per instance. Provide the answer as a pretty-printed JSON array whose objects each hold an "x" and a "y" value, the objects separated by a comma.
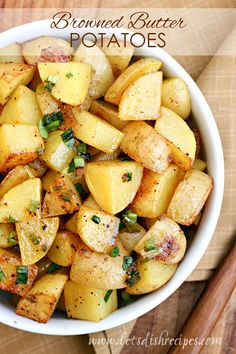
[
  {"x": 143, "y": 144},
  {"x": 98, "y": 270},
  {"x": 169, "y": 240},
  {"x": 153, "y": 274},
  {"x": 175, "y": 96}
]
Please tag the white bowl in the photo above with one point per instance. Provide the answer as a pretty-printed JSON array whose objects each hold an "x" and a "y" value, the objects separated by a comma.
[{"x": 59, "y": 324}]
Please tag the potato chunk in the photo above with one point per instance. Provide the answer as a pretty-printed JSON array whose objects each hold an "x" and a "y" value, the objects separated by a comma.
[
  {"x": 155, "y": 192},
  {"x": 35, "y": 238},
  {"x": 63, "y": 248},
  {"x": 19, "y": 145},
  {"x": 11, "y": 76},
  {"x": 153, "y": 274},
  {"x": 98, "y": 270},
  {"x": 96, "y": 132},
  {"x": 47, "y": 103},
  {"x": 68, "y": 82},
  {"x": 7, "y": 235},
  {"x": 40, "y": 302},
  {"x": 142, "y": 143},
  {"x": 108, "y": 112},
  {"x": 132, "y": 73},
  {"x": 199, "y": 164},
  {"x": 175, "y": 96},
  {"x": 22, "y": 202},
  {"x": 142, "y": 99},
  {"x": 190, "y": 197},
  {"x": 57, "y": 155},
  {"x": 45, "y": 49},
  {"x": 11, "y": 54},
  {"x": 164, "y": 241},
  {"x": 61, "y": 198},
  {"x": 21, "y": 108},
  {"x": 97, "y": 229},
  {"x": 9, "y": 264},
  {"x": 179, "y": 138},
  {"x": 113, "y": 184},
  {"x": 129, "y": 239},
  {"x": 102, "y": 75},
  {"x": 88, "y": 303}
]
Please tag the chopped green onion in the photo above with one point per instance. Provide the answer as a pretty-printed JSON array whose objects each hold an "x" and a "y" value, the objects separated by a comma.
[
  {"x": 34, "y": 204},
  {"x": 36, "y": 240},
  {"x": 53, "y": 268},
  {"x": 39, "y": 151},
  {"x": 43, "y": 130},
  {"x": 69, "y": 75},
  {"x": 127, "y": 262},
  {"x": 96, "y": 219},
  {"x": 121, "y": 226},
  {"x": 12, "y": 238},
  {"x": 130, "y": 220},
  {"x": 107, "y": 295},
  {"x": 81, "y": 148},
  {"x": 115, "y": 252},
  {"x": 127, "y": 177},
  {"x": 53, "y": 125},
  {"x": 11, "y": 219},
  {"x": 21, "y": 275},
  {"x": 68, "y": 138},
  {"x": 79, "y": 161},
  {"x": 81, "y": 190},
  {"x": 71, "y": 167},
  {"x": 133, "y": 277},
  {"x": 50, "y": 82},
  {"x": 66, "y": 196},
  {"x": 52, "y": 117},
  {"x": 44, "y": 247},
  {"x": 150, "y": 245},
  {"x": 2, "y": 274}
]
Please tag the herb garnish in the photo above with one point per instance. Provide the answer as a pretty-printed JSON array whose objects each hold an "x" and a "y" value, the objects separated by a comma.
[
  {"x": 12, "y": 238},
  {"x": 39, "y": 151},
  {"x": 107, "y": 295},
  {"x": 150, "y": 245},
  {"x": 68, "y": 138},
  {"x": 81, "y": 190},
  {"x": 49, "y": 123},
  {"x": 96, "y": 219},
  {"x": 69, "y": 75},
  {"x": 21, "y": 275},
  {"x": 115, "y": 252},
  {"x": 53, "y": 268},
  {"x": 36, "y": 240},
  {"x": 127, "y": 177},
  {"x": 50, "y": 82},
  {"x": 130, "y": 220},
  {"x": 2, "y": 274},
  {"x": 34, "y": 204}
]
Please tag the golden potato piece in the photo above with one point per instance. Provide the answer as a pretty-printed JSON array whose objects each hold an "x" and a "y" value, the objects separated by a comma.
[
  {"x": 142, "y": 143},
  {"x": 190, "y": 197},
  {"x": 90, "y": 203},
  {"x": 102, "y": 75},
  {"x": 35, "y": 238},
  {"x": 63, "y": 248},
  {"x": 175, "y": 96},
  {"x": 9, "y": 264},
  {"x": 11, "y": 54},
  {"x": 155, "y": 192},
  {"x": 97, "y": 229},
  {"x": 89, "y": 303},
  {"x": 113, "y": 184},
  {"x": 199, "y": 164},
  {"x": 179, "y": 138},
  {"x": 119, "y": 55},
  {"x": 164, "y": 241},
  {"x": 19, "y": 145},
  {"x": 98, "y": 270},
  {"x": 153, "y": 274},
  {"x": 47, "y": 103},
  {"x": 67, "y": 82},
  {"x": 108, "y": 112},
  {"x": 21, "y": 108},
  {"x": 96, "y": 132},
  {"x": 47, "y": 49},
  {"x": 22, "y": 202},
  {"x": 40, "y": 302},
  {"x": 7, "y": 235},
  {"x": 142, "y": 99},
  {"x": 11, "y": 76},
  {"x": 132, "y": 73}
]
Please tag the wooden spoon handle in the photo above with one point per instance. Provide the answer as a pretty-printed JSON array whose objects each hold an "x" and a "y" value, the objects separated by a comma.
[{"x": 202, "y": 319}]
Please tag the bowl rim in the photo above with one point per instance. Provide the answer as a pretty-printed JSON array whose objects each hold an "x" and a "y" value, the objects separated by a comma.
[{"x": 197, "y": 248}]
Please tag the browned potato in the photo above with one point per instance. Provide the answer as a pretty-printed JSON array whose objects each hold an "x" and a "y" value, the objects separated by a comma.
[
  {"x": 63, "y": 248},
  {"x": 142, "y": 99},
  {"x": 108, "y": 112},
  {"x": 10, "y": 268},
  {"x": 47, "y": 103},
  {"x": 155, "y": 192},
  {"x": 164, "y": 241},
  {"x": 190, "y": 197},
  {"x": 98, "y": 270},
  {"x": 61, "y": 198},
  {"x": 142, "y": 143},
  {"x": 40, "y": 302}
]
